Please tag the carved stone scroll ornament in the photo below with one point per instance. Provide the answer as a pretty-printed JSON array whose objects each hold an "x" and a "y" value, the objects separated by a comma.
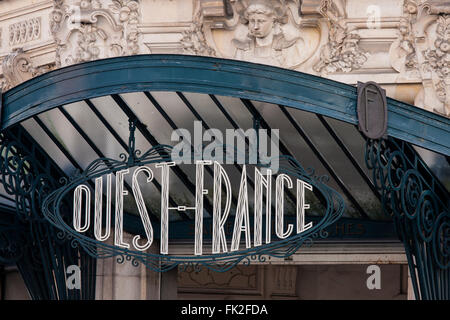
[
  {"x": 422, "y": 51},
  {"x": 17, "y": 68},
  {"x": 432, "y": 37},
  {"x": 402, "y": 53},
  {"x": 193, "y": 39},
  {"x": 92, "y": 29},
  {"x": 437, "y": 61},
  {"x": 342, "y": 52}
]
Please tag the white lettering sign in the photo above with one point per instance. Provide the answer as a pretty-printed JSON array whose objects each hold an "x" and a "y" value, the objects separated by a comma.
[{"x": 222, "y": 195}]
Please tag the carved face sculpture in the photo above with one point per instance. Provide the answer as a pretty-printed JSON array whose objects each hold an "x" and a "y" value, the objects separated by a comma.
[{"x": 261, "y": 19}]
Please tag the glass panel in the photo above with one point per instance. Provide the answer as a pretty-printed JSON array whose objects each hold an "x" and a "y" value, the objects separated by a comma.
[
  {"x": 109, "y": 147},
  {"x": 352, "y": 139},
  {"x": 296, "y": 146},
  {"x": 355, "y": 143},
  {"x": 94, "y": 129},
  {"x": 150, "y": 116},
  {"x": 438, "y": 164},
  {"x": 214, "y": 119},
  {"x": 161, "y": 130},
  {"x": 119, "y": 122},
  {"x": 237, "y": 111},
  {"x": 341, "y": 165},
  {"x": 38, "y": 134},
  {"x": 180, "y": 116},
  {"x": 66, "y": 134}
]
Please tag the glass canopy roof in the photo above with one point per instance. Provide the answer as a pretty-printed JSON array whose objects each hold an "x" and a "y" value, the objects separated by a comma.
[{"x": 76, "y": 134}]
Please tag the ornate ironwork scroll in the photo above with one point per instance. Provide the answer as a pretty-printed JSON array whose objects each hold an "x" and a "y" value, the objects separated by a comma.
[
  {"x": 419, "y": 205},
  {"x": 52, "y": 210},
  {"x": 28, "y": 240}
]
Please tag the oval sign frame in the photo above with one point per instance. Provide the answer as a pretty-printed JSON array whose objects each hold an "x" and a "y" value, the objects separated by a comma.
[
  {"x": 218, "y": 262},
  {"x": 372, "y": 110}
]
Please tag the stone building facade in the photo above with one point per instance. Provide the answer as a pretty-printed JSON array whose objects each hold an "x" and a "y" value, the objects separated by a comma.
[{"x": 404, "y": 45}]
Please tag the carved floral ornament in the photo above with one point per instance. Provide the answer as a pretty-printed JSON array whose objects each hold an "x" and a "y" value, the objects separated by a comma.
[
  {"x": 437, "y": 61},
  {"x": 92, "y": 29},
  {"x": 422, "y": 49}
]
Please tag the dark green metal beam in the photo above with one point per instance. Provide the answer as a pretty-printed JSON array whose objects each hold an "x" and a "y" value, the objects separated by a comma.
[{"x": 220, "y": 77}]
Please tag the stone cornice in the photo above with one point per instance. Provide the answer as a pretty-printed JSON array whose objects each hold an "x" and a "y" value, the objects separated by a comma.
[{"x": 26, "y": 10}]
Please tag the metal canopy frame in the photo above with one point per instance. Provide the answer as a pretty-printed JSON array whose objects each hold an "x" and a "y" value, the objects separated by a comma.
[
  {"x": 247, "y": 82},
  {"x": 220, "y": 77}
]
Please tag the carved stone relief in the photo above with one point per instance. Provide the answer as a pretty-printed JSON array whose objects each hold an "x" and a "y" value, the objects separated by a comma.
[
  {"x": 422, "y": 51},
  {"x": 245, "y": 280},
  {"x": 256, "y": 281},
  {"x": 310, "y": 36},
  {"x": 403, "y": 53},
  {"x": 263, "y": 37},
  {"x": 341, "y": 53},
  {"x": 437, "y": 62},
  {"x": 265, "y": 31},
  {"x": 324, "y": 37},
  {"x": 193, "y": 40},
  {"x": 17, "y": 68},
  {"x": 90, "y": 29},
  {"x": 24, "y": 31}
]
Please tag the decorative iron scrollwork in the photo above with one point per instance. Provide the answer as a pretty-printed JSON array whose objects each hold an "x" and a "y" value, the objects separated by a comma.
[
  {"x": 419, "y": 205},
  {"x": 27, "y": 239}
]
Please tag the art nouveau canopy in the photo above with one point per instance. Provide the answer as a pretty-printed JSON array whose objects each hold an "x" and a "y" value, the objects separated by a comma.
[{"x": 59, "y": 123}]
